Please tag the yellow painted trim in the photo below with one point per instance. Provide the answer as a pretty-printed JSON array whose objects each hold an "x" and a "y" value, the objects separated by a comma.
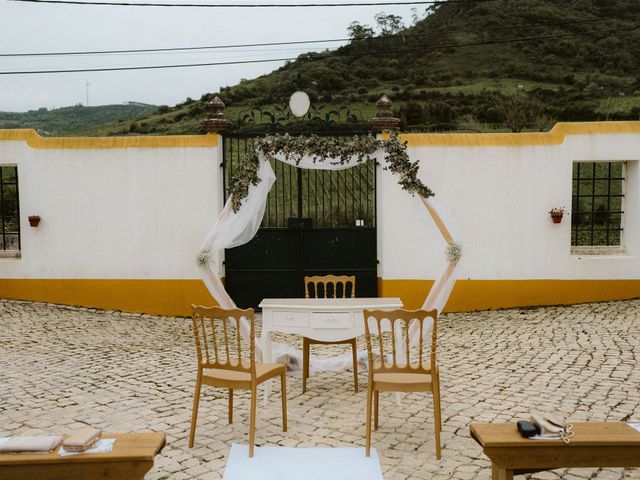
[
  {"x": 35, "y": 140},
  {"x": 155, "y": 297},
  {"x": 470, "y": 295},
  {"x": 174, "y": 297},
  {"x": 554, "y": 137}
]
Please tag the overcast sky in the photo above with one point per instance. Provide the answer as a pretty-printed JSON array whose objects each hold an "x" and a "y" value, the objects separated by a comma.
[{"x": 28, "y": 27}]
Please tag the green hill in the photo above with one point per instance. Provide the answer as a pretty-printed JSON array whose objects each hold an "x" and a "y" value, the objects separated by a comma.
[
  {"x": 61, "y": 121},
  {"x": 459, "y": 68}
]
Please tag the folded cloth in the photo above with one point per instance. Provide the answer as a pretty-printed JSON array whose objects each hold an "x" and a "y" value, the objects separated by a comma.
[{"x": 41, "y": 443}]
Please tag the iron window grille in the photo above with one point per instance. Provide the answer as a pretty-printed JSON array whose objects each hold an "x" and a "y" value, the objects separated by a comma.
[
  {"x": 9, "y": 209},
  {"x": 597, "y": 204}
]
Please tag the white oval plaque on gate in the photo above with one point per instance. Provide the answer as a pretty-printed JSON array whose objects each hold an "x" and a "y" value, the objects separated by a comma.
[{"x": 299, "y": 104}]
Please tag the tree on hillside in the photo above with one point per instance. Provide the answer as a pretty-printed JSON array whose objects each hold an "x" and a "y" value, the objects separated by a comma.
[
  {"x": 416, "y": 16},
  {"x": 389, "y": 24},
  {"x": 357, "y": 31},
  {"x": 518, "y": 109}
]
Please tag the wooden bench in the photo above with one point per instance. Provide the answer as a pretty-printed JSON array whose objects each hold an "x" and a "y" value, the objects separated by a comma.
[
  {"x": 611, "y": 444},
  {"x": 131, "y": 458}
]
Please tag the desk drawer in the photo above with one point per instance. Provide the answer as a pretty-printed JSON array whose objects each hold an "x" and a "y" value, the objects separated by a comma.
[
  {"x": 290, "y": 319},
  {"x": 331, "y": 320}
]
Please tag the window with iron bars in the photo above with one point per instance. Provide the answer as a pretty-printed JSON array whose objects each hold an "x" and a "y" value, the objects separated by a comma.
[
  {"x": 9, "y": 209},
  {"x": 597, "y": 204}
]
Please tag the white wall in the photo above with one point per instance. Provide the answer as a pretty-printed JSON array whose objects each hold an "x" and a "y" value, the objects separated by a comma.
[
  {"x": 499, "y": 198},
  {"x": 117, "y": 213},
  {"x": 113, "y": 213}
]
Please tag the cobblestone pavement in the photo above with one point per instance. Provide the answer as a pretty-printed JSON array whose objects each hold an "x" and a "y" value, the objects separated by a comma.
[{"x": 64, "y": 367}]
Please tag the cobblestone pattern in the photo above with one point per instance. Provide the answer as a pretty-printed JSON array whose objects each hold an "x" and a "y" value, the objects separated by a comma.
[{"x": 63, "y": 367}]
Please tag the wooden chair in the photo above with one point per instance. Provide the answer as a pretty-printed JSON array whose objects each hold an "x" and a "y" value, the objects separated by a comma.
[
  {"x": 321, "y": 289},
  {"x": 399, "y": 365},
  {"x": 227, "y": 360}
]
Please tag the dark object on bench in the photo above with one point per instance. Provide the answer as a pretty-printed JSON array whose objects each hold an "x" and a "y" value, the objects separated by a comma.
[
  {"x": 527, "y": 429},
  {"x": 597, "y": 444}
]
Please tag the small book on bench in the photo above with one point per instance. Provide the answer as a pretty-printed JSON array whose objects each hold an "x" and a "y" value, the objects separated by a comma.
[{"x": 81, "y": 440}]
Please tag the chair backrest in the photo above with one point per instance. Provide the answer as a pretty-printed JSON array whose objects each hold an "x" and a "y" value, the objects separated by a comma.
[
  {"x": 219, "y": 341},
  {"x": 327, "y": 286},
  {"x": 389, "y": 337}
]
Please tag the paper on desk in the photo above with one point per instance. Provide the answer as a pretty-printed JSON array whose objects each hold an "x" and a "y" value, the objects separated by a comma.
[
  {"x": 104, "y": 445},
  {"x": 635, "y": 426},
  {"x": 6, "y": 439}
]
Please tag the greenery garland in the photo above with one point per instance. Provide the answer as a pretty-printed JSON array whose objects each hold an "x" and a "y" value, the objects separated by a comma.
[{"x": 336, "y": 151}]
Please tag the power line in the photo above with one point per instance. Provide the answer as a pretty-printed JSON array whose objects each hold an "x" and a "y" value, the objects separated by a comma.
[
  {"x": 248, "y": 5},
  {"x": 298, "y": 42},
  {"x": 171, "y": 49},
  {"x": 323, "y": 57}
]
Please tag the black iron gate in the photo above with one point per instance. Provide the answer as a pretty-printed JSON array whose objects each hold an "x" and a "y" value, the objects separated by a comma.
[{"x": 316, "y": 222}]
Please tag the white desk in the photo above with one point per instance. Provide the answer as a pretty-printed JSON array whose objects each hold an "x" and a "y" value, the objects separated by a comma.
[{"x": 326, "y": 319}]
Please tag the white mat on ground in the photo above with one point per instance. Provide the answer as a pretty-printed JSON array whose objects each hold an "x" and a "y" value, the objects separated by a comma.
[{"x": 286, "y": 463}]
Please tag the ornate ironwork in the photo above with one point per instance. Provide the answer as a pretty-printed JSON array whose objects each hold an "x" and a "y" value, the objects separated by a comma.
[
  {"x": 305, "y": 209},
  {"x": 274, "y": 118}
]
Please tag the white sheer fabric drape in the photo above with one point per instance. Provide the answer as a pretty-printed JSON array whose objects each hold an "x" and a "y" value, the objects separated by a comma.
[{"x": 233, "y": 229}]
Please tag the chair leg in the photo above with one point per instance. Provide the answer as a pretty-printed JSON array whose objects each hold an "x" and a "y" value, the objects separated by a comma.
[
  {"x": 376, "y": 397},
  {"x": 230, "y": 405},
  {"x": 283, "y": 392},
  {"x": 437, "y": 414},
  {"x": 194, "y": 412},
  {"x": 437, "y": 390},
  {"x": 305, "y": 363},
  {"x": 354, "y": 350},
  {"x": 368, "y": 421},
  {"x": 252, "y": 420}
]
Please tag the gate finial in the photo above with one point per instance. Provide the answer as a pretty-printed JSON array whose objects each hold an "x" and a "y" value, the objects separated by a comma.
[
  {"x": 384, "y": 119},
  {"x": 216, "y": 122}
]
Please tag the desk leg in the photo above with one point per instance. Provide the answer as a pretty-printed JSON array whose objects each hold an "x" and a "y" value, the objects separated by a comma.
[
  {"x": 498, "y": 473},
  {"x": 266, "y": 358}
]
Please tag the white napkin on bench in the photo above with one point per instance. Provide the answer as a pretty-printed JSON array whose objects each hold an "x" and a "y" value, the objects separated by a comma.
[{"x": 37, "y": 444}]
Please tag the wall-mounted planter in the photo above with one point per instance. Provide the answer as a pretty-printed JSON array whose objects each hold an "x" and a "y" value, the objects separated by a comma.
[
  {"x": 34, "y": 220},
  {"x": 556, "y": 214}
]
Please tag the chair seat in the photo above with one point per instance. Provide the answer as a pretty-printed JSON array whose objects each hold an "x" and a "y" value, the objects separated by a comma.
[
  {"x": 219, "y": 377},
  {"x": 402, "y": 382},
  {"x": 306, "y": 354},
  {"x": 311, "y": 341}
]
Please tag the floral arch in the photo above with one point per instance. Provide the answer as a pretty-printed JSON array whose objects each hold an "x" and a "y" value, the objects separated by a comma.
[{"x": 241, "y": 216}]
